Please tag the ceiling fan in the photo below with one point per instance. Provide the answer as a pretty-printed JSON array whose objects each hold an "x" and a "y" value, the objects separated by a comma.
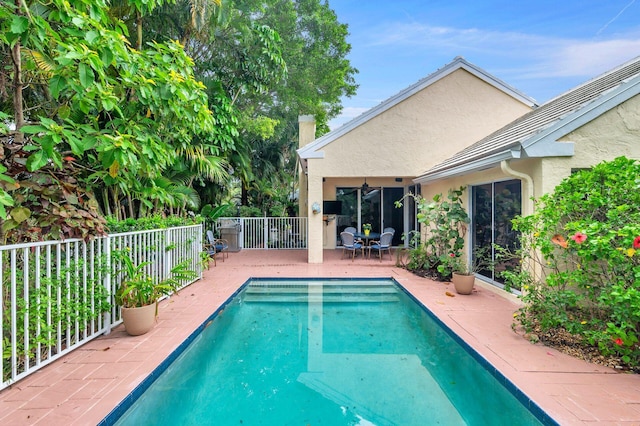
[{"x": 365, "y": 187}]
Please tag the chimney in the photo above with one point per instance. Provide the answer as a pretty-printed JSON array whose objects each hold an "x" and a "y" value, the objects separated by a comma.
[{"x": 306, "y": 129}]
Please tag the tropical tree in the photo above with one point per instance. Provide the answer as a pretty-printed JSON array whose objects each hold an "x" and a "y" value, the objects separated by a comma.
[
  {"x": 271, "y": 79},
  {"x": 110, "y": 116}
]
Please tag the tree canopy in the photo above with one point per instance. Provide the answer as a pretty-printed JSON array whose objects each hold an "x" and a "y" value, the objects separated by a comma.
[{"x": 206, "y": 101}]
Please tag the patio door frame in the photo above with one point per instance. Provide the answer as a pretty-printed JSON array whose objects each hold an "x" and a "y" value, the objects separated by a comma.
[
  {"x": 487, "y": 228},
  {"x": 380, "y": 215}
]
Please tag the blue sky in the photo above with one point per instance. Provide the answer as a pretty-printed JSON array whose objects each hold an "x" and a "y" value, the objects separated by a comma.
[{"x": 541, "y": 47}]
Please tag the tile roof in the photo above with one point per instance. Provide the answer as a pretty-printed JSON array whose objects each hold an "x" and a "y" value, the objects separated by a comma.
[{"x": 549, "y": 119}]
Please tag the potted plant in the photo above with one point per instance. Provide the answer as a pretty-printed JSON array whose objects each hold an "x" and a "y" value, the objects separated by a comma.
[
  {"x": 138, "y": 293},
  {"x": 366, "y": 227},
  {"x": 462, "y": 274},
  {"x": 463, "y": 271}
]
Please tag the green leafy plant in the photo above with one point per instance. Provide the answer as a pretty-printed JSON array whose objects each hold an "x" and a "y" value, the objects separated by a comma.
[
  {"x": 62, "y": 307},
  {"x": 458, "y": 264},
  {"x": 137, "y": 288},
  {"x": 444, "y": 222},
  {"x": 149, "y": 222},
  {"x": 581, "y": 260},
  {"x": 366, "y": 227}
]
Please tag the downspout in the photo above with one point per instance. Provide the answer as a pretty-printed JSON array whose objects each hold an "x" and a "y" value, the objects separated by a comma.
[
  {"x": 527, "y": 264},
  {"x": 506, "y": 169}
]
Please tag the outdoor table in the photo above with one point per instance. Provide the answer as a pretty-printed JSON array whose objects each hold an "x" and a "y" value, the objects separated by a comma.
[{"x": 366, "y": 238}]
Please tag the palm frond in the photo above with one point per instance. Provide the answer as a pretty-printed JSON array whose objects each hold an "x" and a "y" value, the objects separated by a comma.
[{"x": 43, "y": 63}]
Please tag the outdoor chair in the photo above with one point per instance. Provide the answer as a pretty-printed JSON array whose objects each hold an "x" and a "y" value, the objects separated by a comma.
[
  {"x": 349, "y": 244},
  {"x": 353, "y": 230},
  {"x": 393, "y": 231},
  {"x": 211, "y": 251},
  {"x": 382, "y": 245},
  {"x": 218, "y": 244}
]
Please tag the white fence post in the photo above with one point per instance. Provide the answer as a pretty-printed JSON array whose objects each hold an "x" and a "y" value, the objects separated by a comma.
[{"x": 106, "y": 281}]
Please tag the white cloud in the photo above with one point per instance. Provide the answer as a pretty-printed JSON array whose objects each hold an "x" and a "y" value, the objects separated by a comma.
[
  {"x": 353, "y": 112},
  {"x": 525, "y": 55},
  {"x": 587, "y": 58}
]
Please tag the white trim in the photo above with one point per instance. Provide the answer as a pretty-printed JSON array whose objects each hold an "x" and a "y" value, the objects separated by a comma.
[
  {"x": 545, "y": 144},
  {"x": 466, "y": 168}
]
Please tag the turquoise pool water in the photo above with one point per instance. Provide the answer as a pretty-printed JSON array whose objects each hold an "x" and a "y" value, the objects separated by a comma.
[{"x": 325, "y": 352}]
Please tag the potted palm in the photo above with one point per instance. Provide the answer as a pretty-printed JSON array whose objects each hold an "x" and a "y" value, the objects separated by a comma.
[{"x": 138, "y": 293}]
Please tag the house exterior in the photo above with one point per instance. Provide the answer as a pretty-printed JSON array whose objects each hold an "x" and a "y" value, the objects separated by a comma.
[
  {"x": 596, "y": 121},
  {"x": 374, "y": 160}
]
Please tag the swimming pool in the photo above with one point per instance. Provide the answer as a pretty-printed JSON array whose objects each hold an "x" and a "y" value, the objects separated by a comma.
[{"x": 324, "y": 351}]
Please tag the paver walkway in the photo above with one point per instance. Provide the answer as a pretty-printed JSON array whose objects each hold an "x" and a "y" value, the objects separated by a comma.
[{"x": 84, "y": 386}]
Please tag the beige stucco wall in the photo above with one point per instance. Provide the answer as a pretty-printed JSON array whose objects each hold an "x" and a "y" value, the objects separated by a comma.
[
  {"x": 422, "y": 130},
  {"x": 409, "y": 138}
]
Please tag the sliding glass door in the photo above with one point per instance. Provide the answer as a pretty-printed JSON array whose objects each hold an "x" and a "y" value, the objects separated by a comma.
[
  {"x": 493, "y": 206},
  {"x": 375, "y": 206}
]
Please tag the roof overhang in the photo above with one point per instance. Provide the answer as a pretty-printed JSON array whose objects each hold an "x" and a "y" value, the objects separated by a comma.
[
  {"x": 546, "y": 143},
  {"x": 484, "y": 163}
]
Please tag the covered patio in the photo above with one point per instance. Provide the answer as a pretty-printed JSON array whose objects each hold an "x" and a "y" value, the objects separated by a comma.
[{"x": 84, "y": 386}]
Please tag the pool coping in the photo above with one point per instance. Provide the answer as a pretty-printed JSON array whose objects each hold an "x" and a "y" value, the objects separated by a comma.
[
  {"x": 131, "y": 398},
  {"x": 137, "y": 392}
]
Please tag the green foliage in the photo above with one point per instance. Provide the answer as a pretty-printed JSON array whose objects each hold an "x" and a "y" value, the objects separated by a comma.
[
  {"x": 246, "y": 211},
  {"x": 5, "y": 198},
  {"x": 50, "y": 205},
  {"x": 582, "y": 259},
  {"x": 264, "y": 63},
  {"x": 64, "y": 305},
  {"x": 456, "y": 263},
  {"x": 125, "y": 121},
  {"x": 213, "y": 213},
  {"x": 114, "y": 117},
  {"x": 116, "y": 226},
  {"x": 445, "y": 223},
  {"x": 137, "y": 288}
]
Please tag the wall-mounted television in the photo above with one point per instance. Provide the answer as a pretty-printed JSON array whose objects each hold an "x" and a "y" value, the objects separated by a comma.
[{"x": 332, "y": 207}]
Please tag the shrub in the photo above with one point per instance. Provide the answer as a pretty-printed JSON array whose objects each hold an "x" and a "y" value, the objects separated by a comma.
[
  {"x": 585, "y": 240},
  {"x": 444, "y": 221},
  {"x": 150, "y": 222}
]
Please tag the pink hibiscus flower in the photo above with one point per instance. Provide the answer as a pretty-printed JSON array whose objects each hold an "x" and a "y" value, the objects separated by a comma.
[{"x": 579, "y": 237}]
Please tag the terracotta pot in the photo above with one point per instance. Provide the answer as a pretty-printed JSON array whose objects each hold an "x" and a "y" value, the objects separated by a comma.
[
  {"x": 138, "y": 321},
  {"x": 463, "y": 283}
]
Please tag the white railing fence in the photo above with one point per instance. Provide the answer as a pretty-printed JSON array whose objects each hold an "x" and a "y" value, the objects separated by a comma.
[
  {"x": 58, "y": 295},
  {"x": 263, "y": 232}
]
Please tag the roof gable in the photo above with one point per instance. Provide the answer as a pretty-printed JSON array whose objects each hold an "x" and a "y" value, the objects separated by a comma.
[
  {"x": 536, "y": 133},
  {"x": 312, "y": 150}
]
